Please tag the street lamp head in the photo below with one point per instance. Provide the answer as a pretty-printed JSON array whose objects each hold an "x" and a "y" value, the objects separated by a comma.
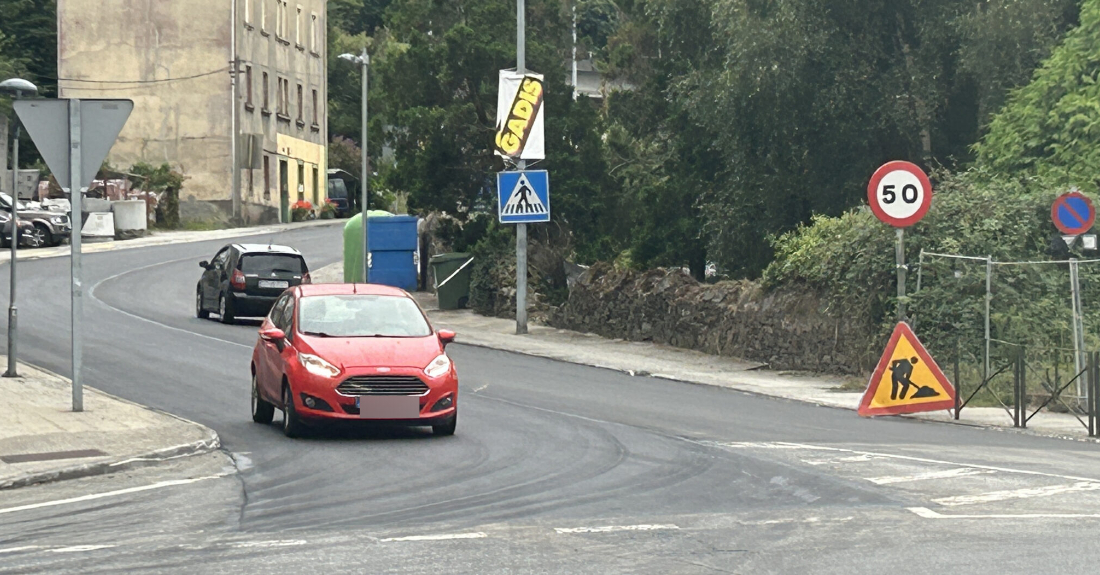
[
  {"x": 350, "y": 58},
  {"x": 18, "y": 87}
]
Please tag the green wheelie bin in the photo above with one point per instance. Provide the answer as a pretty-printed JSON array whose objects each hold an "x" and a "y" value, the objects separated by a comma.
[{"x": 452, "y": 279}]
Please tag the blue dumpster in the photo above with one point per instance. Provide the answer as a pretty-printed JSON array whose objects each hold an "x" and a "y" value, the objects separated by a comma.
[{"x": 393, "y": 244}]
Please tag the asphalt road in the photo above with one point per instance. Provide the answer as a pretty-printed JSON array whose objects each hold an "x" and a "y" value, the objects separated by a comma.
[{"x": 555, "y": 468}]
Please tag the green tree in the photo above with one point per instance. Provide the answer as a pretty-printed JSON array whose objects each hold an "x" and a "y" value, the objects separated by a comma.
[{"x": 1051, "y": 127}]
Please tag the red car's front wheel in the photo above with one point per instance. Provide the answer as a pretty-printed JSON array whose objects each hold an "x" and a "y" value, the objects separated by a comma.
[{"x": 292, "y": 424}]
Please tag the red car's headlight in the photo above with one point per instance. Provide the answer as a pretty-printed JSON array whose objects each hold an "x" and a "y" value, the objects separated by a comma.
[
  {"x": 439, "y": 366},
  {"x": 318, "y": 366}
]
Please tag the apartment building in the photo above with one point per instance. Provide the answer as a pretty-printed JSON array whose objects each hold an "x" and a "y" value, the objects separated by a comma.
[{"x": 174, "y": 59}]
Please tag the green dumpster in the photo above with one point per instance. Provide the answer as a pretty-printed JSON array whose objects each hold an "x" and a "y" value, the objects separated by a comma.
[
  {"x": 353, "y": 246},
  {"x": 452, "y": 279}
]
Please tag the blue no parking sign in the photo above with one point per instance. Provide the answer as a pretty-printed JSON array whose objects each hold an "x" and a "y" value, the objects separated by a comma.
[
  {"x": 1073, "y": 213},
  {"x": 523, "y": 197}
]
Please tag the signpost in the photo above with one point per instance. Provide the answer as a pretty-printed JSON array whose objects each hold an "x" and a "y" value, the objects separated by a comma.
[
  {"x": 900, "y": 194},
  {"x": 520, "y": 137},
  {"x": 73, "y": 137},
  {"x": 1073, "y": 214}
]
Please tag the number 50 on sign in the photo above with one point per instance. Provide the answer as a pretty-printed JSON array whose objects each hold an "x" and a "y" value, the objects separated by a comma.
[{"x": 899, "y": 193}]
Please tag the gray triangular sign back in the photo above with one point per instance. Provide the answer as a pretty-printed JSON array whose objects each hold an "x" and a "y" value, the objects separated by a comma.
[{"x": 47, "y": 122}]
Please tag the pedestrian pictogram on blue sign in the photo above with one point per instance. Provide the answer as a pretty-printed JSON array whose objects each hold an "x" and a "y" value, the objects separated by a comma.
[
  {"x": 523, "y": 197},
  {"x": 1073, "y": 213}
]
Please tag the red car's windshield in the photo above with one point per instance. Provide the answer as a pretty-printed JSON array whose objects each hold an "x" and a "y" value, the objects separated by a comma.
[{"x": 361, "y": 316}]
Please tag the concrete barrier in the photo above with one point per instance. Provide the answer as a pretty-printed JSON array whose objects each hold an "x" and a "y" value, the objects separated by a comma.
[{"x": 131, "y": 220}]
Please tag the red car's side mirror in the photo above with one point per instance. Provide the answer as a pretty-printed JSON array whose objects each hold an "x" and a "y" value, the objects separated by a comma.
[
  {"x": 272, "y": 334},
  {"x": 446, "y": 336}
]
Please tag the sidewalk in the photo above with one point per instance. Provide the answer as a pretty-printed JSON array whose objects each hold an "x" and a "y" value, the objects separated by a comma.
[
  {"x": 42, "y": 439},
  {"x": 160, "y": 238}
]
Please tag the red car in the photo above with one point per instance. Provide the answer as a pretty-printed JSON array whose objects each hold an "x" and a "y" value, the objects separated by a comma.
[{"x": 352, "y": 352}]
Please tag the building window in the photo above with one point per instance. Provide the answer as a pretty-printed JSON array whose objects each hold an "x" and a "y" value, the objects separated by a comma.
[
  {"x": 248, "y": 88},
  {"x": 301, "y": 120},
  {"x": 247, "y": 13},
  {"x": 267, "y": 100},
  {"x": 315, "y": 124},
  {"x": 298, "y": 27},
  {"x": 313, "y": 36},
  {"x": 263, "y": 15},
  {"x": 280, "y": 19},
  {"x": 301, "y": 182},
  {"x": 284, "y": 99},
  {"x": 267, "y": 177}
]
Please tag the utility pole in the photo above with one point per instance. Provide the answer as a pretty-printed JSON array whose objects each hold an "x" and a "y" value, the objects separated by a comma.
[
  {"x": 364, "y": 60},
  {"x": 16, "y": 87},
  {"x": 574, "y": 49},
  {"x": 521, "y": 229},
  {"x": 234, "y": 71}
]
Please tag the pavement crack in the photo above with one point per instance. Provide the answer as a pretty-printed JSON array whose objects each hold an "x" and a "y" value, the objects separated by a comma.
[{"x": 237, "y": 467}]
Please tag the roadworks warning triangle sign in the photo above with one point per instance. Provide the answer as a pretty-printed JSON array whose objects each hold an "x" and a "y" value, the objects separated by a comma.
[
  {"x": 523, "y": 200},
  {"x": 907, "y": 379}
]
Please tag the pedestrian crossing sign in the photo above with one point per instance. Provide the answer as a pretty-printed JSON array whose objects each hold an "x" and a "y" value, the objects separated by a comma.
[
  {"x": 906, "y": 380},
  {"x": 524, "y": 197}
]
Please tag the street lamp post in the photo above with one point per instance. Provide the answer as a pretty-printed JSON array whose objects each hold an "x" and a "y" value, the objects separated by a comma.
[
  {"x": 16, "y": 87},
  {"x": 364, "y": 61}
]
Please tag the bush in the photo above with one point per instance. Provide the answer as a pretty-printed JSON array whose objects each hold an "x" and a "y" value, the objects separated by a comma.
[{"x": 850, "y": 261}]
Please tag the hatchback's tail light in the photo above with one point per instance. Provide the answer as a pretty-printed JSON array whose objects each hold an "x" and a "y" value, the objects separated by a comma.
[
  {"x": 305, "y": 278},
  {"x": 238, "y": 280}
]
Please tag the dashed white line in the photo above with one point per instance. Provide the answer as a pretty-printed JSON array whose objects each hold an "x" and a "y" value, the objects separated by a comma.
[
  {"x": 276, "y": 543},
  {"x": 80, "y": 548},
  {"x": 1025, "y": 493},
  {"x": 159, "y": 485},
  {"x": 944, "y": 474},
  {"x": 929, "y": 514},
  {"x": 443, "y": 537},
  {"x": 18, "y": 549},
  {"x": 613, "y": 528}
]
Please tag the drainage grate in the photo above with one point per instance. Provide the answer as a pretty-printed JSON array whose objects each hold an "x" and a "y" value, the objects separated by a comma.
[{"x": 50, "y": 456}]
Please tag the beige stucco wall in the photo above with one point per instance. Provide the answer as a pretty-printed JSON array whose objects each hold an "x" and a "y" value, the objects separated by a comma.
[{"x": 128, "y": 49}]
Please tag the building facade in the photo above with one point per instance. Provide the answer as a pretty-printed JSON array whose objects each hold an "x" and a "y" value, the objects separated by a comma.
[{"x": 174, "y": 60}]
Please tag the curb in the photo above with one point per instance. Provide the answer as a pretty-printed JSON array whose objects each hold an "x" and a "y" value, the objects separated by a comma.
[
  {"x": 909, "y": 417},
  {"x": 211, "y": 442}
]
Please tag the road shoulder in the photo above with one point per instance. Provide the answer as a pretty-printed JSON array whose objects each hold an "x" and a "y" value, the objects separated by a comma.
[{"x": 43, "y": 440}]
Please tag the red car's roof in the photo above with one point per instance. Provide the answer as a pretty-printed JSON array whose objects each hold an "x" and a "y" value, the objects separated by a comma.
[{"x": 349, "y": 289}]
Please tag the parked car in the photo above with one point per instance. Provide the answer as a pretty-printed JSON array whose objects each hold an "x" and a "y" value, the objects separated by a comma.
[
  {"x": 26, "y": 231},
  {"x": 339, "y": 352},
  {"x": 50, "y": 228},
  {"x": 244, "y": 280}
]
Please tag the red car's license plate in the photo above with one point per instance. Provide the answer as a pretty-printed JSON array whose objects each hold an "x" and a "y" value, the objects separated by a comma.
[{"x": 388, "y": 406}]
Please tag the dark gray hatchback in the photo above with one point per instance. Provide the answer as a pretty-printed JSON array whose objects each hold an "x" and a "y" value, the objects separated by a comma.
[{"x": 244, "y": 280}]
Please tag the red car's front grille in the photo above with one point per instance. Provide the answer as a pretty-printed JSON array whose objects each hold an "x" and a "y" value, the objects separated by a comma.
[{"x": 383, "y": 385}]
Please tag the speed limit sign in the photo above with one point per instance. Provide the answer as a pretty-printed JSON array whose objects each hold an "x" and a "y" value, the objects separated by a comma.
[{"x": 899, "y": 193}]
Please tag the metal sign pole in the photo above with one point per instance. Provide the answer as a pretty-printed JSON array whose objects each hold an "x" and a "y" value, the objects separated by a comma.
[
  {"x": 75, "y": 194},
  {"x": 521, "y": 229},
  {"x": 900, "y": 257},
  {"x": 13, "y": 313},
  {"x": 1078, "y": 325},
  {"x": 365, "y": 181}
]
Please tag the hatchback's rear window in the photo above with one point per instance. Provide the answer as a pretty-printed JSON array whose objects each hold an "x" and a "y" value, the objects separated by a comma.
[{"x": 265, "y": 263}]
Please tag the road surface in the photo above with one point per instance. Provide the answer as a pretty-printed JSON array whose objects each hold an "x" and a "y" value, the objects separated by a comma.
[{"x": 555, "y": 468}]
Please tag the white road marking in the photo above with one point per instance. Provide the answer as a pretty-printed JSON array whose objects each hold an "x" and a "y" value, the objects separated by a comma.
[
  {"x": 480, "y": 388},
  {"x": 788, "y": 521},
  {"x": 159, "y": 485},
  {"x": 758, "y": 445},
  {"x": 444, "y": 537},
  {"x": 80, "y": 548},
  {"x": 1026, "y": 493},
  {"x": 612, "y": 528},
  {"x": 929, "y": 514},
  {"x": 945, "y": 474},
  {"x": 92, "y": 291},
  {"x": 275, "y": 543},
  {"x": 856, "y": 458},
  {"x": 17, "y": 549},
  {"x": 904, "y": 458}
]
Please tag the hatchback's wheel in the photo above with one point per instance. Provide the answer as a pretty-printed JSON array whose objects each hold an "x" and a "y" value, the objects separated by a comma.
[
  {"x": 39, "y": 237},
  {"x": 262, "y": 411},
  {"x": 200, "y": 312},
  {"x": 292, "y": 424},
  {"x": 225, "y": 309},
  {"x": 447, "y": 428}
]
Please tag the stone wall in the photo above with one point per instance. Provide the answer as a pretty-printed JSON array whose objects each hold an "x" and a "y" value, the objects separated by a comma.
[{"x": 735, "y": 318}]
